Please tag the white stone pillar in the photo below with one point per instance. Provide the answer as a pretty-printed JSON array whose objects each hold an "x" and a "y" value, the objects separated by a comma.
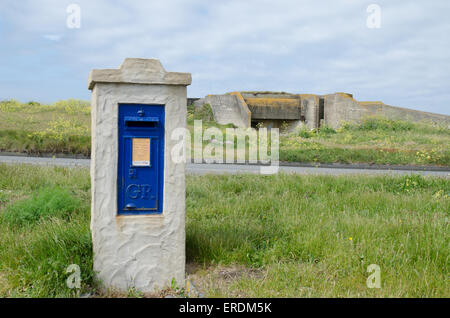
[{"x": 136, "y": 251}]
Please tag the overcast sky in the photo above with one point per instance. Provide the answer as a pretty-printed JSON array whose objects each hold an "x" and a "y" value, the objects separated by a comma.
[{"x": 294, "y": 46}]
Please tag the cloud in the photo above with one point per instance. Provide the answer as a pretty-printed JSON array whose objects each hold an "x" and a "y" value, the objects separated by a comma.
[
  {"x": 52, "y": 37},
  {"x": 290, "y": 45}
]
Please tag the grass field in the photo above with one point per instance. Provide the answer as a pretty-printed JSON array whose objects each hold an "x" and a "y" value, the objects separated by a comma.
[
  {"x": 247, "y": 235},
  {"x": 64, "y": 127},
  {"x": 376, "y": 140}
]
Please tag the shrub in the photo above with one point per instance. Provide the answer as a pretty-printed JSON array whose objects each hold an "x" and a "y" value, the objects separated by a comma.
[
  {"x": 9, "y": 105},
  {"x": 205, "y": 113},
  {"x": 326, "y": 130},
  {"x": 48, "y": 202},
  {"x": 374, "y": 123},
  {"x": 306, "y": 133},
  {"x": 74, "y": 106}
]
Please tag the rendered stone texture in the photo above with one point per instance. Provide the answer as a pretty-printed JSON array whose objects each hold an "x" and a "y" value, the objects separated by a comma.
[
  {"x": 147, "y": 251},
  {"x": 139, "y": 71}
]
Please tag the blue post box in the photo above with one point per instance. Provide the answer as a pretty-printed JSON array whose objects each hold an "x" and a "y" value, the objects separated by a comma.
[{"x": 140, "y": 176}]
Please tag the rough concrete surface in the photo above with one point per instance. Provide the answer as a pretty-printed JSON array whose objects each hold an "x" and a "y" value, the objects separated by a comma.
[
  {"x": 274, "y": 108},
  {"x": 341, "y": 107},
  {"x": 226, "y": 110},
  {"x": 311, "y": 109}
]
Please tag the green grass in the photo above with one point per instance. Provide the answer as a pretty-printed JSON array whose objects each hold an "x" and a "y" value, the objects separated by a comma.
[
  {"x": 375, "y": 140},
  {"x": 44, "y": 227},
  {"x": 297, "y": 236},
  {"x": 64, "y": 127},
  {"x": 298, "y": 230},
  {"x": 52, "y": 202}
]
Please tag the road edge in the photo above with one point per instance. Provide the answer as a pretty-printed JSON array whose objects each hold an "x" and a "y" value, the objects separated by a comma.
[{"x": 360, "y": 166}]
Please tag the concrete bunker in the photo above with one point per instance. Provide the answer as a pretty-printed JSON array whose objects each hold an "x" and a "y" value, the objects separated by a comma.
[{"x": 285, "y": 110}]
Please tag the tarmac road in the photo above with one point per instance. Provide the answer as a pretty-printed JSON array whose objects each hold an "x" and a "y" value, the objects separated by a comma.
[{"x": 204, "y": 168}]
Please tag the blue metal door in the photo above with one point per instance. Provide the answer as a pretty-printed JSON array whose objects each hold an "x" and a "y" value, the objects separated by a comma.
[{"x": 140, "y": 177}]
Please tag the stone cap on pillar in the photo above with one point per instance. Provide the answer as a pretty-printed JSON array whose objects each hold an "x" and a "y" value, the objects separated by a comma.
[{"x": 139, "y": 71}]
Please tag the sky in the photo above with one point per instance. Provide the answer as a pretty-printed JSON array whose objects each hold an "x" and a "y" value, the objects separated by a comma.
[{"x": 294, "y": 46}]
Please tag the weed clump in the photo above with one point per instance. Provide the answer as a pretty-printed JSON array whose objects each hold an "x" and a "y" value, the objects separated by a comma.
[
  {"x": 305, "y": 132},
  {"x": 46, "y": 203},
  {"x": 205, "y": 113},
  {"x": 384, "y": 124}
]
